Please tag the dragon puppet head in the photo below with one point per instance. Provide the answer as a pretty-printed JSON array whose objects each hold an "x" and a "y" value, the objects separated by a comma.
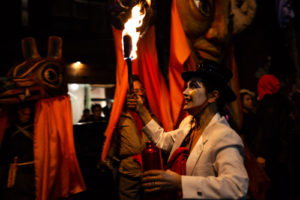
[{"x": 37, "y": 77}]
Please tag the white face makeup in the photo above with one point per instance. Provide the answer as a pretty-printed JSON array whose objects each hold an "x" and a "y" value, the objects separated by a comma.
[{"x": 194, "y": 96}]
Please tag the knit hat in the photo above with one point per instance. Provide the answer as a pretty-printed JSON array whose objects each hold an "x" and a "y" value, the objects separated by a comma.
[{"x": 267, "y": 84}]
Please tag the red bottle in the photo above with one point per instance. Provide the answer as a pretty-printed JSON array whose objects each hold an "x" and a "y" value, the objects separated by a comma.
[{"x": 152, "y": 159}]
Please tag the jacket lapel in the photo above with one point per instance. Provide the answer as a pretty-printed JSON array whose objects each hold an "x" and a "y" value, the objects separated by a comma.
[
  {"x": 180, "y": 136},
  {"x": 199, "y": 147}
]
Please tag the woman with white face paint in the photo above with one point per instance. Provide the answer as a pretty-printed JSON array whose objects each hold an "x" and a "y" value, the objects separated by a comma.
[{"x": 206, "y": 154}]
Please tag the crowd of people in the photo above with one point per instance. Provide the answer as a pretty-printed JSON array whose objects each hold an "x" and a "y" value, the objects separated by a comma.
[
  {"x": 97, "y": 115},
  {"x": 205, "y": 147},
  {"x": 205, "y": 155},
  {"x": 268, "y": 129}
]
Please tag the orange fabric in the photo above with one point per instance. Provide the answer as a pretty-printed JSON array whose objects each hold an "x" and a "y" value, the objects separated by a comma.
[
  {"x": 57, "y": 171},
  {"x": 3, "y": 124},
  {"x": 120, "y": 91},
  {"x": 179, "y": 53},
  {"x": 235, "y": 106},
  {"x": 153, "y": 80},
  {"x": 146, "y": 66}
]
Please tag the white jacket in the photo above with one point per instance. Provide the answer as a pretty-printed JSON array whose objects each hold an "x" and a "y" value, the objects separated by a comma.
[{"x": 215, "y": 167}]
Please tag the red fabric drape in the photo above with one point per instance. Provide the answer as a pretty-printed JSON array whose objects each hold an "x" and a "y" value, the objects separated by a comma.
[
  {"x": 3, "y": 123},
  {"x": 179, "y": 53},
  {"x": 146, "y": 66},
  {"x": 57, "y": 172},
  {"x": 235, "y": 106},
  {"x": 120, "y": 91},
  {"x": 154, "y": 82},
  {"x": 177, "y": 163}
]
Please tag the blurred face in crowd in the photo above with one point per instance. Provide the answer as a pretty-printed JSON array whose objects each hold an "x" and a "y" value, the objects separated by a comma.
[
  {"x": 248, "y": 102},
  {"x": 24, "y": 114},
  {"x": 86, "y": 113},
  {"x": 139, "y": 90},
  {"x": 97, "y": 112},
  {"x": 195, "y": 97}
]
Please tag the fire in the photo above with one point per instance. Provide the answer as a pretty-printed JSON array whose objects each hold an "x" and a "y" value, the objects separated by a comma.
[
  {"x": 148, "y": 2},
  {"x": 130, "y": 27}
]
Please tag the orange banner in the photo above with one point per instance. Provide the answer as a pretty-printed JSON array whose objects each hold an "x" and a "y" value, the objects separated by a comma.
[
  {"x": 146, "y": 67},
  {"x": 57, "y": 171},
  {"x": 179, "y": 53}
]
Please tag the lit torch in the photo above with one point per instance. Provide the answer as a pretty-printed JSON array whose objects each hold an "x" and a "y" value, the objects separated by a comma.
[{"x": 130, "y": 37}]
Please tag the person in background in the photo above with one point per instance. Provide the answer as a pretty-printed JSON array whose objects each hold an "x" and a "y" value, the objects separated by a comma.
[
  {"x": 107, "y": 110},
  {"x": 249, "y": 126},
  {"x": 247, "y": 99},
  {"x": 96, "y": 113},
  {"x": 124, "y": 156},
  {"x": 16, "y": 156},
  {"x": 274, "y": 125},
  {"x": 206, "y": 154},
  {"x": 85, "y": 115}
]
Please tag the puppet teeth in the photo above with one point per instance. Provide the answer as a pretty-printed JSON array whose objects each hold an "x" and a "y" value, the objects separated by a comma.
[{"x": 27, "y": 92}]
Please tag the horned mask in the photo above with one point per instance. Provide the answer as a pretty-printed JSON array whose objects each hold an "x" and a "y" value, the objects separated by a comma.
[{"x": 37, "y": 77}]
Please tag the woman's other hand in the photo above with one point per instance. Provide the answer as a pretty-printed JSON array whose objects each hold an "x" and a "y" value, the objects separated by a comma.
[{"x": 160, "y": 180}]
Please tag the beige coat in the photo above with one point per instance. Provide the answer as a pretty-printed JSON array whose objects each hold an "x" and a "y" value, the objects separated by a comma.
[
  {"x": 130, "y": 143},
  {"x": 215, "y": 167}
]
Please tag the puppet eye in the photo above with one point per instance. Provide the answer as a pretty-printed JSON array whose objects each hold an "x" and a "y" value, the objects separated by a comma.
[
  {"x": 50, "y": 74},
  {"x": 204, "y": 7}
]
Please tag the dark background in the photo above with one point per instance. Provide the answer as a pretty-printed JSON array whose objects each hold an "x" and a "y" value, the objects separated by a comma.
[{"x": 85, "y": 28}]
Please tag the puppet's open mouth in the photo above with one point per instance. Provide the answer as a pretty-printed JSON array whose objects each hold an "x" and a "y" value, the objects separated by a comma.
[{"x": 20, "y": 94}]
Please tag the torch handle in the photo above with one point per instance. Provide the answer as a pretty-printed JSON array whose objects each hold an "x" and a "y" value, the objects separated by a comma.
[{"x": 130, "y": 79}]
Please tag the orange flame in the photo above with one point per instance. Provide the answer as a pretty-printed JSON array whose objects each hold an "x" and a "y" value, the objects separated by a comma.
[
  {"x": 148, "y": 2},
  {"x": 130, "y": 27}
]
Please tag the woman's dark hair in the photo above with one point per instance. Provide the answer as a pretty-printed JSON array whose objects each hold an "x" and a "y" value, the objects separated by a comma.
[
  {"x": 211, "y": 86},
  {"x": 86, "y": 110}
]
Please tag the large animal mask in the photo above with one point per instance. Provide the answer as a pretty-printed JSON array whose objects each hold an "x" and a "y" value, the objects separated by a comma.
[
  {"x": 209, "y": 24},
  {"x": 37, "y": 77}
]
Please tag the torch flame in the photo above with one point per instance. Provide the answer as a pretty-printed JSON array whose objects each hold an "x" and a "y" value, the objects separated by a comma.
[
  {"x": 148, "y": 2},
  {"x": 130, "y": 28}
]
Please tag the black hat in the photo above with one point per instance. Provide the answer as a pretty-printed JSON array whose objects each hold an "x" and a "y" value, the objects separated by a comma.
[{"x": 216, "y": 73}]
